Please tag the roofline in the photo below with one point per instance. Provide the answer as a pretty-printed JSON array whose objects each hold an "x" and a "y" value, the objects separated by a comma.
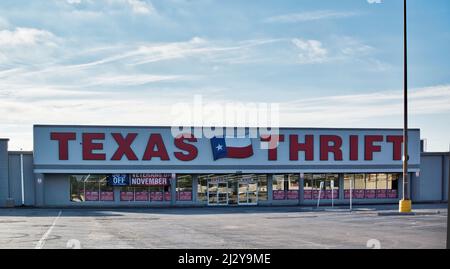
[
  {"x": 439, "y": 153},
  {"x": 168, "y": 126},
  {"x": 20, "y": 152}
]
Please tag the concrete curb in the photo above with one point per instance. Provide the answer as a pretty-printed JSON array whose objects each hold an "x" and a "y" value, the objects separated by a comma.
[{"x": 409, "y": 213}]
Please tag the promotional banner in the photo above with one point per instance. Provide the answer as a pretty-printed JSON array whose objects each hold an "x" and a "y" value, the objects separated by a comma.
[{"x": 150, "y": 179}]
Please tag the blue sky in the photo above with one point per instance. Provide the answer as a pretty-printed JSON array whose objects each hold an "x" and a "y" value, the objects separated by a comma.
[{"x": 327, "y": 63}]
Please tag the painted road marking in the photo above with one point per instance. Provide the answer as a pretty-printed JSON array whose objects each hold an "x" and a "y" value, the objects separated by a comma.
[{"x": 40, "y": 244}]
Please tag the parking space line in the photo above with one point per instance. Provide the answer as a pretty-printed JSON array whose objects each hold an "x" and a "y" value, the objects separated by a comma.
[{"x": 40, "y": 244}]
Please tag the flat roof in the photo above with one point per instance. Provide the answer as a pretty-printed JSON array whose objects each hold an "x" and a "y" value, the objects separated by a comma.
[{"x": 169, "y": 126}]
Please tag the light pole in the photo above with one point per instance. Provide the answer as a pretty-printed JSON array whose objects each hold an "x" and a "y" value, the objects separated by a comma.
[{"x": 405, "y": 203}]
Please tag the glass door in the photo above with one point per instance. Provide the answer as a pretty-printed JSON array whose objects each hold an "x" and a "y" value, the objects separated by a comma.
[
  {"x": 247, "y": 193},
  {"x": 217, "y": 193}
]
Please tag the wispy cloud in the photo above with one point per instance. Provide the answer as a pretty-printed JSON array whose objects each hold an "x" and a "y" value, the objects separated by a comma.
[
  {"x": 348, "y": 109},
  {"x": 141, "y": 7},
  {"x": 25, "y": 36},
  {"x": 310, "y": 51},
  {"x": 309, "y": 16}
]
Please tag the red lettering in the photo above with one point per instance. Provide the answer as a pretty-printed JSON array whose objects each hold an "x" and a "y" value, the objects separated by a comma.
[
  {"x": 353, "y": 148},
  {"x": 369, "y": 147},
  {"x": 89, "y": 146},
  {"x": 396, "y": 141},
  {"x": 160, "y": 152},
  {"x": 191, "y": 150},
  {"x": 124, "y": 146},
  {"x": 63, "y": 143},
  {"x": 273, "y": 145},
  {"x": 325, "y": 147},
  {"x": 307, "y": 147}
]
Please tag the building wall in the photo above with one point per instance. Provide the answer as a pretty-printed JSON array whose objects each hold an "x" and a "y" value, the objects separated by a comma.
[
  {"x": 432, "y": 182},
  {"x": 430, "y": 185},
  {"x": 15, "y": 184},
  {"x": 4, "y": 187}
]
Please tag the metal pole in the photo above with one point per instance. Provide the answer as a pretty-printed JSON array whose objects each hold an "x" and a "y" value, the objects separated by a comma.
[
  {"x": 21, "y": 179},
  {"x": 405, "y": 203},
  {"x": 351, "y": 192},
  {"x": 448, "y": 202},
  {"x": 405, "y": 111}
]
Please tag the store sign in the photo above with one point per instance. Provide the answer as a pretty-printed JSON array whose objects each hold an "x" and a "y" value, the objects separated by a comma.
[
  {"x": 81, "y": 149},
  {"x": 150, "y": 179},
  {"x": 117, "y": 180}
]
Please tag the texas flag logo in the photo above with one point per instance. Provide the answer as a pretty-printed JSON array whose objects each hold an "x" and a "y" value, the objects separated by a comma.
[{"x": 237, "y": 148}]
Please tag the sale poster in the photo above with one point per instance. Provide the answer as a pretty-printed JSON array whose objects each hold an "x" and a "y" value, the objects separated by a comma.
[
  {"x": 316, "y": 194},
  {"x": 92, "y": 196},
  {"x": 141, "y": 196},
  {"x": 126, "y": 196},
  {"x": 292, "y": 195},
  {"x": 156, "y": 196},
  {"x": 184, "y": 196},
  {"x": 391, "y": 193},
  {"x": 278, "y": 195},
  {"x": 329, "y": 196},
  {"x": 107, "y": 196},
  {"x": 307, "y": 194},
  {"x": 381, "y": 194},
  {"x": 167, "y": 196},
  {"x": 370, "y": 194}
]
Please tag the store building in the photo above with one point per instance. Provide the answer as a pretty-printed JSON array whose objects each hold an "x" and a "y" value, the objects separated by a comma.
[{"x": 153, "y": 166}]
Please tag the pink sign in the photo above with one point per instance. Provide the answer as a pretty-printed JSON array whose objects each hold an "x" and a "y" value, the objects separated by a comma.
[
  {"x": 347, "y": 194},
  {"x": 316, "y": 194},
  {"x": 358, "y": 194},
  {"x": 92, "y": 195},
  {"x": 156, "y": 196},
  {"x": 184, "y": 196},
  {"x": 307, "y": 194},
  {"x": 328, "y": 194},
  {"x": 167, "y": 196},
  {"x": 391, "y": 193},
  {"x": 126, "y": 196},
  {"x": 381, "y": 194},
  {"x": 370, "y": 194},
  {"x": 292, "y": 195},
  {"x": 107, "y": 196},
  {"x": 278, "y": 195},
  {"x": 141, "y": 196}
]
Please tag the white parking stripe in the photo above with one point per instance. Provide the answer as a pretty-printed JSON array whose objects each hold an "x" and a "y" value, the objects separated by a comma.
[{"x": 40, "y": 244}]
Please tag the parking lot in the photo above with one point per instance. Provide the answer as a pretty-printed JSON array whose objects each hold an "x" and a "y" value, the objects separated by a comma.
[{"x": 232, "y": 228}]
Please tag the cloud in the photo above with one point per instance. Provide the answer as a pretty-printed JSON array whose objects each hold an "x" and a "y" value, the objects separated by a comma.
[
  {"x": 309, "y": 16},
  {"x": 310, "y": 51},
  {"x": 141, "y": 7},
  {"x": 348, "y": 109},
  {"x": 25, "y": 36},
  {"x": 374, "y": 1}
]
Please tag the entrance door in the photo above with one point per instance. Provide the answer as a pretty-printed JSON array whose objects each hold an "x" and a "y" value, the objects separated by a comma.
[
  {"x": 247, "y": 193},
  {"x": 217, "y": 193}
]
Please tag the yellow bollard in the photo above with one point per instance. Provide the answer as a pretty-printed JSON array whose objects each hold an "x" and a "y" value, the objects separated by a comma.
[{"x": 404, "y": 206}]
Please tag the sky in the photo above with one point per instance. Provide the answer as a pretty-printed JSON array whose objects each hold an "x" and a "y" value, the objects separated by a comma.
[{"x": 325, "y": 63}]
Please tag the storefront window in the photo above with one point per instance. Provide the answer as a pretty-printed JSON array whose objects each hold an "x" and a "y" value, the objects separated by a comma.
[
  {"x": 106, "y": 192},
  {"x": 77, "y": 188},
  {"x": 285, "y": 187},
  {"x": 202, "y": 188},
  {"x": 262, "y": 187},
  {"x": 307, "y": 186},
  {"x": 312, "y": 183},
  {"x": 184, "y": 188},
  {"x": 90, "y": 188},
  {"x": 371, "y": 186}
]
